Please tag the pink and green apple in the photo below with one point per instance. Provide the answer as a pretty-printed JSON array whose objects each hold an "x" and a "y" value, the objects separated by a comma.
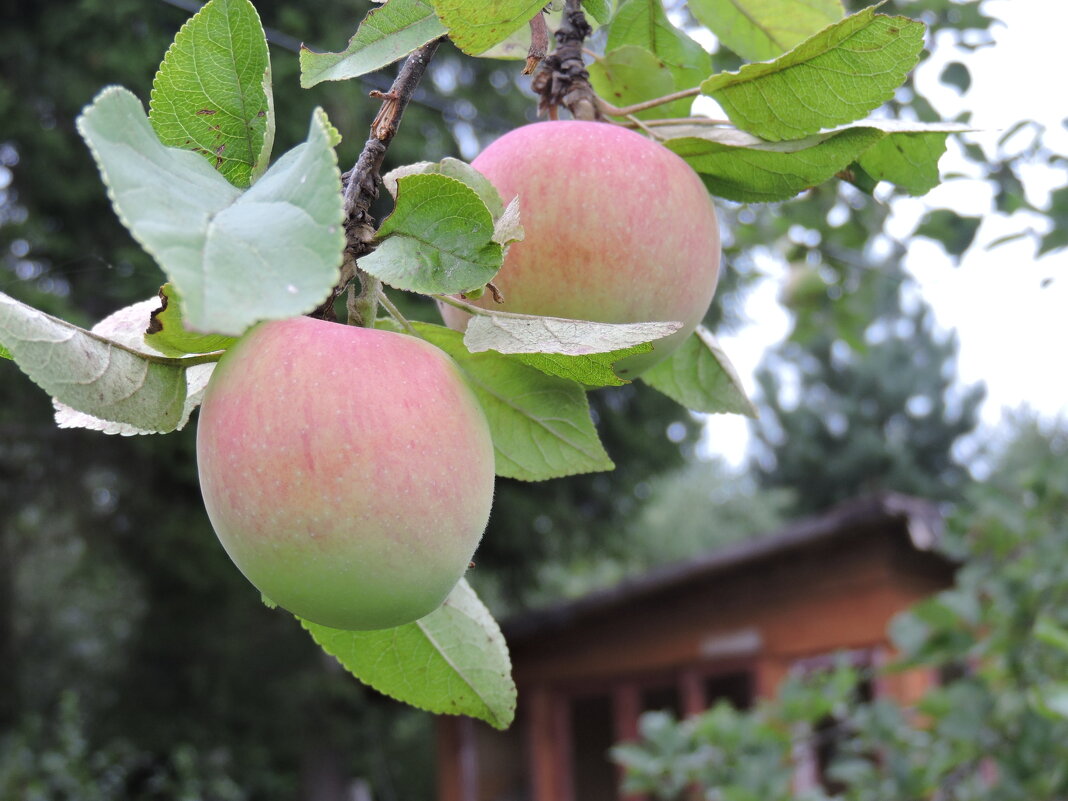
[
  {"x": 348, "y": 472},
  {"x": 618, "y": 229}
]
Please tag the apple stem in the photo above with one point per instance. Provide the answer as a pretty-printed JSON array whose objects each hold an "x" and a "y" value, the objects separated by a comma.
[
  {"x": 395, "y": 313},
  {"x": 362, "y": 306},
  {"x": 626, "y": 111}
]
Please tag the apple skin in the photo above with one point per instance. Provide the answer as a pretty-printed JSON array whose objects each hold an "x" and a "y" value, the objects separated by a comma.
[
  {"x": 618, "y": 229},
  {"x": 347, "y": 472}
]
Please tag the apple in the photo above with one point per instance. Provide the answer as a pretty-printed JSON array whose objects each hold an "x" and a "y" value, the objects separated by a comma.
[
  {"x": 348, "y": 472},
  {"x": 618, "y": 229}
]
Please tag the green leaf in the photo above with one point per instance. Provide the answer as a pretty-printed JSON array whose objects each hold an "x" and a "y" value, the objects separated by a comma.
[
  {"x": 956, "y": 232},
  {"x": 454, "y": 168},
  {"x": 629, "y": 75},
  {"x": 166, "y": 333},
  {"x": 508, "y": 332},
  {"x": 740, "y": 167},
  {"x": 5, "y": 353},
  {"x": 909, "y": 158},
  {"x": 236, "y": 258},
  {"x": 600, "y": 10},
  {"x": 1058, "y": 209},
  {"x": 477, "y": 25},
  {"x": 834, "y": 77},
  {"x": 1050, "y": 632},
  {"x": 1050, "y": 699},
  {"x": 438, "y": 240},
  {"x": 594, "y": 370},
  {"x": 957, "y": 75},
  {"x": 212, "y": 93},
  {"x": 385, "y": 35},
  {"x": 108, "y": 375},
  {"x": 644, "y": 23},
  {"x": 760, "y": 30},
  {"x": 700, "y": 377},
  {"x": 541, "y": 424},
  {"x": 454, "y": 661}
]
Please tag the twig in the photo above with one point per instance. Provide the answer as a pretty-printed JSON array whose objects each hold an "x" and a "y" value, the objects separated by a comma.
[
  {"x": 395, "y": 313},
  {"x": 539, "y": 42},
  {"x": 625, "y": 111},
  {"x": 639, "y": 124},
  {"x": 361, "y": 187},
  {"x": 671, "y": 121},
  {"x": 563, "y": 79}
]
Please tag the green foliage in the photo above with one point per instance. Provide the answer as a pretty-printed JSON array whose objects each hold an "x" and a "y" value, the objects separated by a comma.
[
  {"x": 453, "y": 661},
  {"x": 385, "y": 35},
  {"x": 439, "y": 238},
  {"x": 760, "y": 30},
  {"x": 643, "y": 24},
  {"x": 166, "y": 331},
  {"x": 700, "y": 377},
  {"x": 837, "y": 76},
  {"x": 725, "y": 753},
  {"x": 476, "y": 25},
  {"x": 52, "y": 760},
  {"x": 273, "y": 251},
  {"x": 631, "y": 74},
  {"x": 749, "y": 169},
  {"x": 210, "y": 238},
  {"x": 212, "y": 93},
  {"x": 540, "y": 423},
  {"x": 956, "y": 232},
  {"x": 94, "y": 374},
  {"x": 702, "y": 506},
  {"x": 992, "y": 731}
]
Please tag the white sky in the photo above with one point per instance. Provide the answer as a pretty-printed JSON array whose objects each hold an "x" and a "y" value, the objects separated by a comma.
[{"x": 1011, "y": 329}]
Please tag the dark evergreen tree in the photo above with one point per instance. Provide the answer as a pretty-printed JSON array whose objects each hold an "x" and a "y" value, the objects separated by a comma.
[{"x": 883, "y": 413}]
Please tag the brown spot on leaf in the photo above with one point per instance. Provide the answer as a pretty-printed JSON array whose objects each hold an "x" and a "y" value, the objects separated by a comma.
[
  {"x": 207, "y": 111},
  {"x": 154, "y": 325}
]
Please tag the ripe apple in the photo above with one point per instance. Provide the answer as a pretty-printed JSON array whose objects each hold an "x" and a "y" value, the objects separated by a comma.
[
  {"x": 618, "y": 229},
  {"x": 348, "y": 472}
]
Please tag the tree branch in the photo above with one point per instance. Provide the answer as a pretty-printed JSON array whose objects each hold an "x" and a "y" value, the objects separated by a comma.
[
  {"x": 361, "y": 188},
  {"x": 563, "y": 79},
  {"x": 539, "y": 43}
]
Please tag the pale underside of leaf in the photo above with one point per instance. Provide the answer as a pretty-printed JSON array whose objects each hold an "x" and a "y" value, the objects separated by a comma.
[
  {"x": 94, "y": 374},
  {"x": 127, "y": 327},
  {"x": 453, "y": 661},
  {"x": 520, "y": 333},
  {"x": 385, "y": 35},
  {"x": 236, "y": 258}
]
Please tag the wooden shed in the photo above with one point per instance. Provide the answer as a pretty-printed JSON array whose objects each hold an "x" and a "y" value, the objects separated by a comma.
[{"x": 731, "y": 624}]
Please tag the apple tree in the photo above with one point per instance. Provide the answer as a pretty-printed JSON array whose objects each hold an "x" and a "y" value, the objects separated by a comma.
[{"x": 582, "y": 254}]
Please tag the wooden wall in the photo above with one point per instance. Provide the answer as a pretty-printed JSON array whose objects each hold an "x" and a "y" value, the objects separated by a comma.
[{"x": 764, "y": 616}]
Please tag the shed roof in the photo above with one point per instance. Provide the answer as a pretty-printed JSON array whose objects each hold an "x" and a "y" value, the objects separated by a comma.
[{"x": 921, "y": 519}]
